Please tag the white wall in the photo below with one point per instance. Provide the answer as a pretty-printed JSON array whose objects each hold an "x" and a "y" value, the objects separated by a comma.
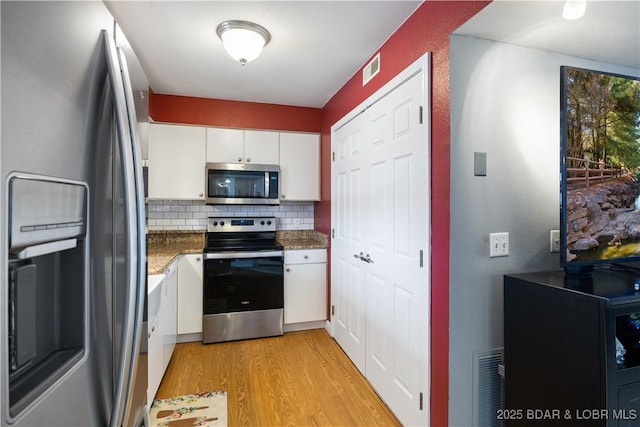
[{"x": 505, "y": 101}]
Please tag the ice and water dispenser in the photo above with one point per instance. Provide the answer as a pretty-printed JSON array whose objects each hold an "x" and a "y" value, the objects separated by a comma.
[{"x": 47, "y": 284}]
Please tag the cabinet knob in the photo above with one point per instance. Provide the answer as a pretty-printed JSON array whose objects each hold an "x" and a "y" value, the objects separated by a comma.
[
  {"x": 288, "y": 269},
  {"x": 306, "y": 257},
  {"x": 239, "y": 159},
  {"x": 201, "y": 195},
  {"x": 283, "y": 196},
  {"x": 198, "y": 258},
  {"x": 248, "y": 159}
]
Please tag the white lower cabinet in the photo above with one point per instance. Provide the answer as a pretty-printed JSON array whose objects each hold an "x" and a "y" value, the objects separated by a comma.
[
  {"x": 190, "y": 294},
  {"x": 169, "y": 314},
  {"x": 305, "y": 285},
  {"x": 154, "y": 344},
  {"x": 161, "y": 327}
]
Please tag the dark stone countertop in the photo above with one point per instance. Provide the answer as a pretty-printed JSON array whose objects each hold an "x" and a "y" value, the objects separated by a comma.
[{"x": 164, "y": 246}]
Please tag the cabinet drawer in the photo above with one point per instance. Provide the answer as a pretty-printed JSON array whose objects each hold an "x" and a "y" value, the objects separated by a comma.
[{"x": 305, "y": 256}]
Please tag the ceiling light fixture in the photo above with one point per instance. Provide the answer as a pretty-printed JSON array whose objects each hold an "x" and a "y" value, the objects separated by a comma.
[
  {"x": 243, "y": 40},
  {"x": 574, "y": 9}
]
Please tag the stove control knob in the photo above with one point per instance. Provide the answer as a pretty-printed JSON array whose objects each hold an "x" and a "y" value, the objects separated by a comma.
[
  {"x": 268, "y": 222},
  {"x": 215, "y": 223},
  {"x": 221, "y": 223},
  {"x": 261, "y": 222}
]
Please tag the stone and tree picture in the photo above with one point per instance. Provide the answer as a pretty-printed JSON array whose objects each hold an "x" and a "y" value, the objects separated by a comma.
[{"x": 602, "y": 166}]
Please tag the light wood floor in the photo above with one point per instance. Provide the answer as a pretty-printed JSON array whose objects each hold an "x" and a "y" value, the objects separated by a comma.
[{"x": 300, "y": 379}]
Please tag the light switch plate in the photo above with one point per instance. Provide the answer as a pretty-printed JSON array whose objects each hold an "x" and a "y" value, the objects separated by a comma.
[
  {"x": 479, "y": 164},
  {"x": 498, "y": 244},
  {"x": 554, "y": 241}
]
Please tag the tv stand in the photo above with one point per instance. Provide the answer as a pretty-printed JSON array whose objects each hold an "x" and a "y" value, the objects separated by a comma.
[
  {"x": 561, "y": 363},
  {"x": 578, "y": 270}
]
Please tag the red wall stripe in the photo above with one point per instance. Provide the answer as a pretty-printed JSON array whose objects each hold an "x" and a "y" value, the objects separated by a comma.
[
  {"x": 427, "y": 30},
  {"x": 233, "y": 114}
]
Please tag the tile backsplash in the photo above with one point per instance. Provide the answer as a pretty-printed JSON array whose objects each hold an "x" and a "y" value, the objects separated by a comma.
[{"x": 193, "y": 214}]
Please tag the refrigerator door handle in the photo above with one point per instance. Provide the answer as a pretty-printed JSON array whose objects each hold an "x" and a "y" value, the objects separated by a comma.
[
  {"x": 123, "y": 375},
  {"x": 138, "y": 238}
]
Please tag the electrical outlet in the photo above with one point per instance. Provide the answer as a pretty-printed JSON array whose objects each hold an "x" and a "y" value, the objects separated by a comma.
[
  {"x": 554, "y": 241},
  {"x": 498, "y": 244}
]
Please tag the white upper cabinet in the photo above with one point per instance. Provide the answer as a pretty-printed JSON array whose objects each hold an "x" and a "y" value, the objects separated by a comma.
[
  {"x": 176, "y": 161},
  {"x": 225, "y": 145},
  {"x": 299, "y": 166},
  {"x": 261, "y": 147},
  {"x": 242, "y": 146}
]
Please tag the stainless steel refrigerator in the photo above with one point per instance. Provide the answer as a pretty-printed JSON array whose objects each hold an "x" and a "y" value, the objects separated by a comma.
[{"x": 73, "y": 228}]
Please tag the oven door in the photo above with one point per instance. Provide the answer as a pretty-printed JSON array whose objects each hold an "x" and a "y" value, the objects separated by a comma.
[
  {"x": 243, "y": 281},
  {"x": 243, "y": 295}
]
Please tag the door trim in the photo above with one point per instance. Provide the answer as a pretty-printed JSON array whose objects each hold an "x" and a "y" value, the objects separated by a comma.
[{"x": 421, "y": 64}]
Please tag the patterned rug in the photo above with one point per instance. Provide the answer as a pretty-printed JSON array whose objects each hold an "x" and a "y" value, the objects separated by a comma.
[{"x": 203, "y": 409}]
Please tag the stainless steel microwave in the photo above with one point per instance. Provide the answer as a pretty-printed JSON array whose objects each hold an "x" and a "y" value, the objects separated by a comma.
[{"x": 242, "y": 184}]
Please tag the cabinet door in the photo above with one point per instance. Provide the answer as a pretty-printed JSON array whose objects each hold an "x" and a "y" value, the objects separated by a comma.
[
  {"x": 154, "y": 362},
  {"x": 225, "y": 145},
  {"x": 190, "y": 294},
  {"x": 261, "y": 147},
  {"x": 305, "y": 286},
  {"x": 154, "y": 343},
  {"x": 176, "y": 162},
  {"x": 168, "y": 316},
  {"x": 299, "y": 166}
]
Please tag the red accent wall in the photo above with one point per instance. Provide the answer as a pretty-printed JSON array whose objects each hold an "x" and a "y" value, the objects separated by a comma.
[
  {"x": 427, "y": 30},
  {"x": 233, "y": 114}
]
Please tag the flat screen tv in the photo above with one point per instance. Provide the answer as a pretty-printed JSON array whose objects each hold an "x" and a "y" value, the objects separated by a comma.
[{"x": 600, "y": 169}]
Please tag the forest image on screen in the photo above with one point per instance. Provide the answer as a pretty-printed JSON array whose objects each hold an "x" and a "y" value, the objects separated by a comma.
[{"x": 602, "y": 166}]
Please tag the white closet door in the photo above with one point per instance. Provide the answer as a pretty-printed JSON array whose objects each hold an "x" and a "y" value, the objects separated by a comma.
[
  {"x": 381, "y": 209},
  {"x": 348, "y": 283},
  {"x": 397, "y": 284}
]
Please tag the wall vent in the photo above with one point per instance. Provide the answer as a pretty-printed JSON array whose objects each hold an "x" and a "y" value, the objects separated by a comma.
[
  {"x": 488, "y": 388},
  {"x": 371, "y": 69}
]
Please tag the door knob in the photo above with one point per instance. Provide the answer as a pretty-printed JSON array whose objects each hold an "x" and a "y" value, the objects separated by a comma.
[{"x": 365, "y": 258}]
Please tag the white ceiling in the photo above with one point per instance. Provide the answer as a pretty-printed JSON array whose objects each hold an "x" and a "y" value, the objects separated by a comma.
[
  {"x": 609, "y": 31},
  {"x": 318, "y": 45}
]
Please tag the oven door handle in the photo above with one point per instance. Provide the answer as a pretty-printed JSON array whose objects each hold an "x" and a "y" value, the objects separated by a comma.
[{"x": 232, "y": 255}]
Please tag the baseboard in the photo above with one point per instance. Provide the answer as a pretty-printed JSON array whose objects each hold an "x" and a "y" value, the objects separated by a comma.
[
  {"x": 303, "y": 326},
  {"x": 329, "y": 327},
  {"x": 189, "y": 337}
]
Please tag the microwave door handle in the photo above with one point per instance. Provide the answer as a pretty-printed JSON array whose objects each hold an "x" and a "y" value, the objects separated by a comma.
[{"x": 266, "y": 185}]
